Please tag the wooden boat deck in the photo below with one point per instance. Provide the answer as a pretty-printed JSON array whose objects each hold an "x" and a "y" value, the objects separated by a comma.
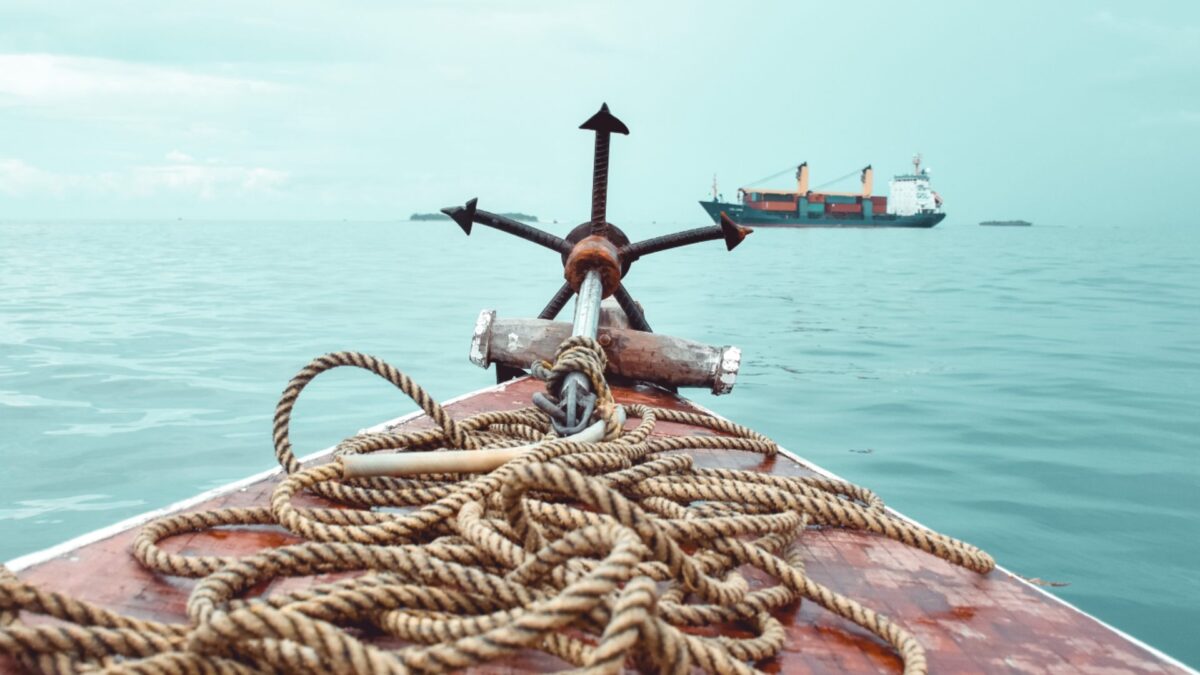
[{"x": 966, "y": 622}]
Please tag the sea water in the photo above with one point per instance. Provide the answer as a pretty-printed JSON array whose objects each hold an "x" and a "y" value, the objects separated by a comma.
[{"x": 1035, "y": 391}]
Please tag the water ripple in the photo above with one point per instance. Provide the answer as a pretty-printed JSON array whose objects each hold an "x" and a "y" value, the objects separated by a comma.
[{"x": 1035, "y": 392}]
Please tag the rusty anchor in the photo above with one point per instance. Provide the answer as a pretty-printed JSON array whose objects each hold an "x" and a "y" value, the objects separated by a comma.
[{"x": 596, "y": 256}]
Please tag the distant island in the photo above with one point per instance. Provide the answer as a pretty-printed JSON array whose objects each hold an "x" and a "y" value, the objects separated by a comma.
[
  {"x": 1007, "y": 223},
  {"x": 523, "y": 217}
]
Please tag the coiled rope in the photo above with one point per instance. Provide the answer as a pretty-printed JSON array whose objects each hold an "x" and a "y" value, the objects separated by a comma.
[{"x": 601, "y": 554}]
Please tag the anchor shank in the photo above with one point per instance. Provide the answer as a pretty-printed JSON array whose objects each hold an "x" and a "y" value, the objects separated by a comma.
[
  {"x": 576, "y": 399},
  {"x": 587, "y": 306}
]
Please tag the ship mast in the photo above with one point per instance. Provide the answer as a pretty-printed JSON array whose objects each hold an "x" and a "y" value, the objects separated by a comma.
[
  {"x": 714, "y": 187},
  {"x": 917, "y": 164}
]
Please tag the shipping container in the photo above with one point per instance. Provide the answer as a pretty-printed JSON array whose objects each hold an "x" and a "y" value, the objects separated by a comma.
[{"x": 777, "y": 206}]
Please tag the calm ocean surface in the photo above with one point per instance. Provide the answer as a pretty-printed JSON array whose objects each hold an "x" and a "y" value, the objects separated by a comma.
[{"x": 1034, "y": 391}]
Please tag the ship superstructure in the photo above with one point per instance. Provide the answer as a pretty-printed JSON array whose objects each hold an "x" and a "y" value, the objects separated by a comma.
[
  {"x": 910, "y": 194},
  {"x": 911, "y": 202}
]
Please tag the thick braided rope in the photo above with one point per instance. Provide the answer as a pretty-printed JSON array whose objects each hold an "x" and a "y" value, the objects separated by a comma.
[{"x": 578, "y": 550}]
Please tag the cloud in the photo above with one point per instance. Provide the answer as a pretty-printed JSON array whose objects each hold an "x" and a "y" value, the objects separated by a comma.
[
  {"x": 18, "y": 178},
  {"x": 204, "y": 181},
  {"x": 183, "y": 176},
  {"x": 42, "y": 79}
]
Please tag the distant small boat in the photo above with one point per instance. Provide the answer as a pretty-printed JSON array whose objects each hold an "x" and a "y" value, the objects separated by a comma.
[{"x": 1007, "y": 223}]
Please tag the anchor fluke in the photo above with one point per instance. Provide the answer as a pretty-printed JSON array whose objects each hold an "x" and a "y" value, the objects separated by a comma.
[
  {"x": 463, "y": 215},
  {"x": 605, "y": 122},
  {"x": 734, "y": 234}
]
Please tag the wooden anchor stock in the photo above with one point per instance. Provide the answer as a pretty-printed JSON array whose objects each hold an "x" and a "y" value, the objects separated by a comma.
[{"x": 632, "y": 354}]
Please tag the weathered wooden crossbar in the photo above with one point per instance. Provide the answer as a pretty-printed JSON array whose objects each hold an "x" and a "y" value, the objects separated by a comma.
[{"x": 632, "y": 354}]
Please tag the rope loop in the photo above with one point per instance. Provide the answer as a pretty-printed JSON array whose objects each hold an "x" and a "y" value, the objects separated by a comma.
[{"x": 452, "y": 431}]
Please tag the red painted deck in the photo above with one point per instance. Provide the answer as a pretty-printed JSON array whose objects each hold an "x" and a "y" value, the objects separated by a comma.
[{"x": 966, "y": 622}]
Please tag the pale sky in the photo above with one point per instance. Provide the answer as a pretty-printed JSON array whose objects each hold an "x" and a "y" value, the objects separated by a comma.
[{"x": 1059, "y": 112}]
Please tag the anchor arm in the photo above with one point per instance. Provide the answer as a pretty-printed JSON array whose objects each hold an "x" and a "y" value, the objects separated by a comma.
[
  {"x": 637, "y": 319},
  {"x": 557, "y": 302},
  {"x": 731, "y": 232},
  {"x": 468, "y": 214}
]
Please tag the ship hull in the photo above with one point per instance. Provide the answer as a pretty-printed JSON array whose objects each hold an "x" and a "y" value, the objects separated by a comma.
[
  {"x": 744, "y": 216},
  {"x": 967, "y": 622}
]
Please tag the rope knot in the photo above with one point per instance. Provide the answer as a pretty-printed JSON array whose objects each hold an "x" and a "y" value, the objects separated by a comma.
[
  {"x": 584, "y": 355},
  {"x": 576, "y": 354}
]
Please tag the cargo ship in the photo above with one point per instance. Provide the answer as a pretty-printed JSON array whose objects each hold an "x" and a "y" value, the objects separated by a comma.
[{"x": 910, "y": 202}]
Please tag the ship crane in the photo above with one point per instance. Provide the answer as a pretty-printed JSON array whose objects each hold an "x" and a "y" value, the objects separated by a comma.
[
  {"x": 866, "y": 176},
  {"x": 802, "y": 178},
  {"x": 774, "y": 175}
]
